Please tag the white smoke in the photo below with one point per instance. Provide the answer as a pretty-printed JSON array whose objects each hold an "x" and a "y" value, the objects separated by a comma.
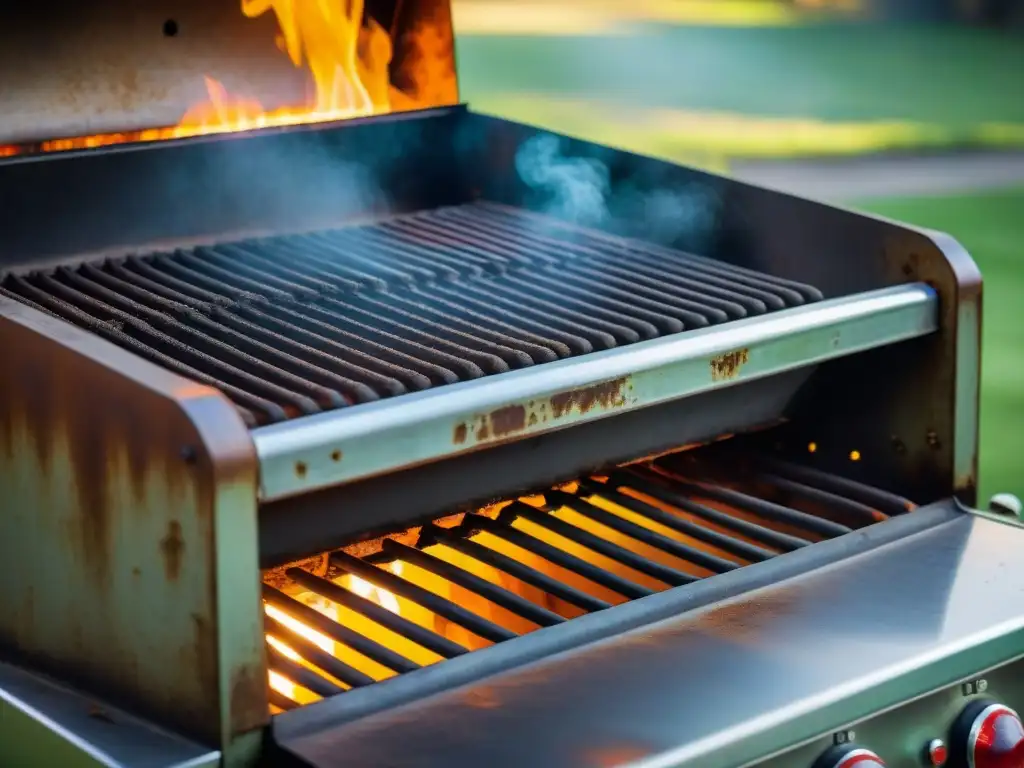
[
  {"x": 579, "y": 189},
  {"x": 575, "y": 188}
]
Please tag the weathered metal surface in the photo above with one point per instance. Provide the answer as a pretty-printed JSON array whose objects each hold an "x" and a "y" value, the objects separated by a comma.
[
  {"x": 727, "y": 366},
  {"x": 117, "y": 67},
  {"x": 511, "y": 420},
  {"x": 43, "y": 723},
  {"x": 296, "y": 456},
  {"x": 128, "y": 530}
]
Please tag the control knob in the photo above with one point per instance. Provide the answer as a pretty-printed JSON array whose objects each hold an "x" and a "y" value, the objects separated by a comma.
[
  {"x": 849, "y": 756},
  {"x": 989, "y": 735}
]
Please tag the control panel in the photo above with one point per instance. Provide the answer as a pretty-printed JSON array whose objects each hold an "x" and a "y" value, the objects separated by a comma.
[{"x": 972, "y": 724}]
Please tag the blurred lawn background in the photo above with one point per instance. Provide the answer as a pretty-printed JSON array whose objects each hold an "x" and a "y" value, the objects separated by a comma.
[{"x": 709, "y": 82}]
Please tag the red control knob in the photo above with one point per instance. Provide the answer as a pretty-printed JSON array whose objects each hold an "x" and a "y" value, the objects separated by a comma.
[
  {"x": 849, "y": 756},
  {"x": 994, "y": 736}
]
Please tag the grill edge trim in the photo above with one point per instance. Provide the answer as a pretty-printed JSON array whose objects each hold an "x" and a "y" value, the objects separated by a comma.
[{"x": 333, "y": 448}]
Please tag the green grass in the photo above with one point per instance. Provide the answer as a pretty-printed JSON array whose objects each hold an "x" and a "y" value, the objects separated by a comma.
[
  {"x": 964, "y": 85},
  {"x": 949, "y": 76},
  {"x": 991, "y": 227}
]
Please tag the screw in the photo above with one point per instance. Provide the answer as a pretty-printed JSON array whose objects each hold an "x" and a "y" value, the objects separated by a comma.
[
  {"x": 975, "y": 686},
  {"x": 933, "y": 439},
  {"x": 898, "y": 445},
  {"x": 189, "y": 454}
]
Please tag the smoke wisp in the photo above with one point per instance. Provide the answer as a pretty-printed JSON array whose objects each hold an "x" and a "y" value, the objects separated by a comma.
[{"x": 580, "y": 190}]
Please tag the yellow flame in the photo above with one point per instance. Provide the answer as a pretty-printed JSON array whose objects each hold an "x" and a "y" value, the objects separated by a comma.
[
  {"x": 379, "y": 595},
  {"x": 348, "y": 63},
  {"x": 277, "y": 682}
]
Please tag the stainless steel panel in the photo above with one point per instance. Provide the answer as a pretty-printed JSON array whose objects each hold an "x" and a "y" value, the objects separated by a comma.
[
  {"x": 42, "y": 723},
  {"x": 321, "y": 451},
  {"x": 128, "y": 532},
  {"x": 901, "y": 736},
  {"x": 118, "y": 67},
  {"x": 735, "y": 681}
]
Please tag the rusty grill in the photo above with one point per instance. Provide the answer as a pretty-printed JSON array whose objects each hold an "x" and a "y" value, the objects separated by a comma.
[
  {"x": 293, "y": 325},
  {"x": 458, "y": 585}
]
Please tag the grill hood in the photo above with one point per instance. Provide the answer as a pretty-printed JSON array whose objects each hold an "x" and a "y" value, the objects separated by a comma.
[{"x": 120, "y": 67}]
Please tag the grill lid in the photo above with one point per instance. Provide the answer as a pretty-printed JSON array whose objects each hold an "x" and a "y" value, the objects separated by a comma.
[{"x": 115, "y": 69}]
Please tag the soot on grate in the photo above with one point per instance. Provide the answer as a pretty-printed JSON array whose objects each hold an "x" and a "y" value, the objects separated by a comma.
[{"x": 296, "y": 324}]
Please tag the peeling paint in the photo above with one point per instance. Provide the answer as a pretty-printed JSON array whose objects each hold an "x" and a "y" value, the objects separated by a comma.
[
  {"x": 726, "y": 367},
  {"x": 511, "y": 420},
  {"x": 606, "y": 396}
]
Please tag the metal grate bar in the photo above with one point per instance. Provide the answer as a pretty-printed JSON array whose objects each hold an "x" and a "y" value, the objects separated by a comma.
[
  {"x": 473, "y": 583},
  {"x": 662, "y": 573},
  {"x": 357, "y": 642},
  {"x": 529, "y": 222},
  {"x": 792, "y": 492},
  {"x": 532, "y": 578},
  {"x": 691, "y": 554},
  {"x": 293, "y": 670},
  {"x": 298, "y": 324},
  {"x": 282, "y": 702},
  {"x": 749, "y": 552},
  {"x": 570, "y": 562},
  {"x": 406, "y": 589},
  {"x": 527, "y": 575},
  {"x": 873, "y": 498},
  {"x": 765, "y": 509},
  {"x": 652, "y": 484},
  {"x": 430, "y": 640},
  {"x": 313, "y": 653}
]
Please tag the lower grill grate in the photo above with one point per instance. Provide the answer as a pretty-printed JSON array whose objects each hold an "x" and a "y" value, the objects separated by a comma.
[
  {"x": 540, "y": 561},
  {"x": 293, "y": 325}
]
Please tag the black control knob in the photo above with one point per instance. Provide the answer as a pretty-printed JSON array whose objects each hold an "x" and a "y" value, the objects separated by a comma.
[
  {"x": 849, "y": 756},
  {"x": 988, "y": 735}
]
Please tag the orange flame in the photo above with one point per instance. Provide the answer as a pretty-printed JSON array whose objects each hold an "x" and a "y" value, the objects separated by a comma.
[{"x": 348, "y": 62}]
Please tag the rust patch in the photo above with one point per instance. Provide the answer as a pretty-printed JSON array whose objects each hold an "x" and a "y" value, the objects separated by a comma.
[
  {"x": 607, "y": 395},
  {"x": 95, "y": 438},
  {"x": 301, "y": 469},
  {"x": 726, "y": 367},
  {"x": 511, "y": 420},
  {"x": 508, "y": 420},
  {"x": 172, "y": 547},
  {"x": 336, "y": 456}
]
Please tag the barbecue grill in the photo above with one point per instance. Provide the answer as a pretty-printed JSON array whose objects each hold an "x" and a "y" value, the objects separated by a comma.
[{"x": 382, "y": 432}]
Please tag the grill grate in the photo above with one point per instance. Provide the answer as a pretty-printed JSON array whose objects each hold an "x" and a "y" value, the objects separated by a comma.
[
  {"x": 541, "y": 561},
  {"x": 297, "y": 324}
]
